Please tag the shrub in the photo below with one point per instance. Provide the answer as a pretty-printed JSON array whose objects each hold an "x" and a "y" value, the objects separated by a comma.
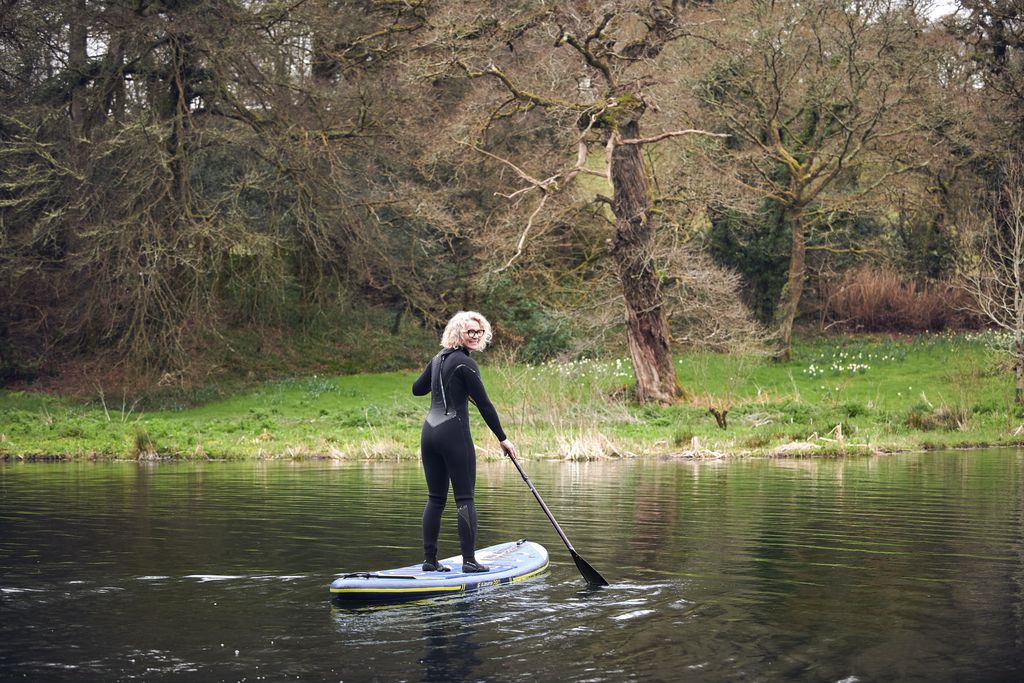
[
  {"x": 944, "y": 418},
  {"x": 141, "y": 446},
  {"x": 682, "y": 437},
  {"x": 762, "y": 439},
  {"x": 854, "y": 409},
  {"x": 883, "y": 300}
]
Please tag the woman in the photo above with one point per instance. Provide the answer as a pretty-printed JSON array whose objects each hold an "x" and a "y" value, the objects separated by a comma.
[{"x": 452, "y": 379}]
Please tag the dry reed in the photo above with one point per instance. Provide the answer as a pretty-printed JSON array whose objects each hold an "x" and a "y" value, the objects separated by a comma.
[{"x": 867, "y": 299}]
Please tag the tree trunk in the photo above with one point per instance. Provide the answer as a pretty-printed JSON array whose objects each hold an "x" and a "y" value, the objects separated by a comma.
[
  {"x": 177, "y": 103},
  {"x": 1018, "y": 369},
  {"x": 77, "y": 58},
  {"x": 115, "y": 96},
  {"x": 646, "y": 325},
  {"x": 794, "y": 284}
]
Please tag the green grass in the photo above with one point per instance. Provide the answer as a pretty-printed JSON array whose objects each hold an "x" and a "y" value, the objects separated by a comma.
[{"x": 837, "y": 396}]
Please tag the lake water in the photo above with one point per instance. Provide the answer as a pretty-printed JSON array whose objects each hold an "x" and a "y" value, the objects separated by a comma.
[{"x": 907, "y": 568}]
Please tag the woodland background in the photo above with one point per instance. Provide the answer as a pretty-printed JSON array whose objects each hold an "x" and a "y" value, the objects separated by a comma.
[{"x": 192, "y": 190}]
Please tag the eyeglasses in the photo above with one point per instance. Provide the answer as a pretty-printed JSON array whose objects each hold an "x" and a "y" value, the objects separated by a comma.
[{"x": 474, "y": 334}]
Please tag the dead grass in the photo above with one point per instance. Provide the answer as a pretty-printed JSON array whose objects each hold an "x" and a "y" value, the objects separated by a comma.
[
  {"x": 870, "y": 299},
  {"x": 588, "y": 445}
]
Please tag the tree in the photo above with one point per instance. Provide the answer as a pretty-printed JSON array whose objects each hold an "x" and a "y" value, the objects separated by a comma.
[
  {"x": 993, "y": 33},
  {"x": 992, "y": 269},
  {"x": 592, "y": 93},
  {"x": 172, "y": 169},
  {"x": 818, "y": 97}
]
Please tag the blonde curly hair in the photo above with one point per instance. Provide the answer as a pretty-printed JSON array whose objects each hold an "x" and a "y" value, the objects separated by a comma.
[{"x": 453, "y": 331}]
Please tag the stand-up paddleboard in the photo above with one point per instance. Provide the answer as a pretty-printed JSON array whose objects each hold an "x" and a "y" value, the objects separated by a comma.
[{"x": 507, "y": 562}]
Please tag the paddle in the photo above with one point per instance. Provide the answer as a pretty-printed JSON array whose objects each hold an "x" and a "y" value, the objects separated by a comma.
[{"x": 588, "y": 572}]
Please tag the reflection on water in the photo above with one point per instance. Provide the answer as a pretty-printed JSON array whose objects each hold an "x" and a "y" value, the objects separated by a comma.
[
  {"x": 908, "y": 567},
  {"x": 442, "y": 636}
]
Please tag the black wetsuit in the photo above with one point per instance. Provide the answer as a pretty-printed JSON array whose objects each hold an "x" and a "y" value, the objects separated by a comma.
[{"x": 452, "y": 379}]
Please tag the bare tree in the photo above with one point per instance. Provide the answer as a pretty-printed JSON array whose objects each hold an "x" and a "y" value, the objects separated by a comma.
[
  {"x": 592, "y": 94},
  {"x": 992, "y": 265},
  {"x": 172, "y": 169},
  {"x": 992, "y": 32},
  {"x": 817, "y": 94}
]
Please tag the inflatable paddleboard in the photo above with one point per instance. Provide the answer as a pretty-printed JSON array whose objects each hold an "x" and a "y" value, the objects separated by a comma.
[{"x": 507, "y": 562}]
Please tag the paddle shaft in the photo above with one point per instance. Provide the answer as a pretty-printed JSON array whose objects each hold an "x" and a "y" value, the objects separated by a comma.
[
  {"x": 544, "y": 507},
  {"x": 592, "y": 576}
]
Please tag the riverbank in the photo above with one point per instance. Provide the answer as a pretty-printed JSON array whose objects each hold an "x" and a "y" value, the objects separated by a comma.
[{"x": 837, "y": 396}]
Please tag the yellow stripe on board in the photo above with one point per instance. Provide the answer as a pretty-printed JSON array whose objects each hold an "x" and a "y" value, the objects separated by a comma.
[{"x": 531, "y": 574}]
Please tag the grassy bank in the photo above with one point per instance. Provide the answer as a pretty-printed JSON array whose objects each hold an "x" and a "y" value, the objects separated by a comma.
[{"x": 848, "y": 395}]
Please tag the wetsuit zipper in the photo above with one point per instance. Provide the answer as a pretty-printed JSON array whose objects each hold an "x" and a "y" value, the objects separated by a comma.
[{"x": 440, "y": 380}]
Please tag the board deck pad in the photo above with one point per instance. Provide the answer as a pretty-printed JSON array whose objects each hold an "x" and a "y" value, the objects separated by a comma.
[{"x": 506, "y": 562}]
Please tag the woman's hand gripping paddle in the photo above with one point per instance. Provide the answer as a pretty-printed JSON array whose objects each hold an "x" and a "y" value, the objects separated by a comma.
[{"x": 589, "y": 573}]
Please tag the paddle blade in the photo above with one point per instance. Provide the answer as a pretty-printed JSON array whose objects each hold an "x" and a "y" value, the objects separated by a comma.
[{"x": 589, "y": 573}]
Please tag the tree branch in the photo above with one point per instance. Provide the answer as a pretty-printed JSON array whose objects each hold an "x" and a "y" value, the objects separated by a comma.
[
  {"x": 670, "y": 134},
  {"x": 585, "y": 51},
  {"x": 538, "y": 100}
]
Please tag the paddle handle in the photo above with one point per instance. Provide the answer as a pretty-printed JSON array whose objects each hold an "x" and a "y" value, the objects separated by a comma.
[{"x": 544, "y": 507}]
